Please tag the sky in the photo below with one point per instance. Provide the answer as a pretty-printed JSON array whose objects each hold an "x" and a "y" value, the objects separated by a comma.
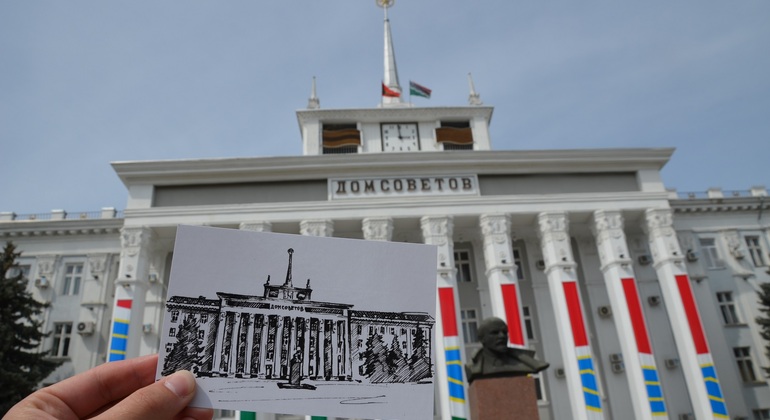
[{"x": 87, "y": 82}]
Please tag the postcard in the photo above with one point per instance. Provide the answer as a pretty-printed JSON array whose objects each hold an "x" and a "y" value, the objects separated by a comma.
[{"x": 297, "y": 324}]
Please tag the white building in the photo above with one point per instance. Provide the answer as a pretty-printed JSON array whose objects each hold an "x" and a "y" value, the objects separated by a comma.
[{"x": 642, "y": 300}]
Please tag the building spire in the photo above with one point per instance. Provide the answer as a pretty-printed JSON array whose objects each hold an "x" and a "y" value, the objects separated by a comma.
[
  {"x": 288, "y": 270},
  {"x": 390, "y": 78},
  {"x": 473, "y": 97},
  {"x": 313, "y": 102}
]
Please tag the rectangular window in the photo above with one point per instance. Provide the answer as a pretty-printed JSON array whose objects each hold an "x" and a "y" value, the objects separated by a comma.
[
  {"x": 172, "y": 332},
  {"x": 22, "y": 270},
  {"x": 728, "y": 309},
  {"x": 62, "y": 332},
  {"x": 73, "y": 274},
  {"x": 710, "y": 254},
  {"x": 745, "y": 364},
  {"x": 539, "y": 387},
  {"x": 174, "y": 315},
  {"x": 463, "y": 266},
  {"x": 470, "y": 325},
  {"x": 517, "y": 261},
  {"x": 530, "y": 330},
  {"x": 755, "y": 250},
  {"x": 762, "y": 414},
  {"x": 204, "y": 317}
]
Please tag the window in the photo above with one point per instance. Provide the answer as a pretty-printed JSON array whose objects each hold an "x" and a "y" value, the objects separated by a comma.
[
  {"x": 529, "y": 329},
  {"x": 172, "y": 332},
  {"x": 539, "y": 387},
  {"x": 762, "y": 414},
  {"x": 169, "y": 347},
  {"x": 15, "y": 271},
  {"x": 710, "y": 254},
  {"x": 470, "y": 325},
  {"x": 517, "y": 261},
  {"x": 340, "y": 138},
  {"x": 745, "y": 364},
  {"x": 755, "y": 250},
  {"x": 204, "y": 317},
  {"x": 727, "y": 307},
  {"x": 62, "y": 332},
  {"x": 455, "y": 135},
  {"x": 174, "y": 315},
  {"x": 201, "y": 334},
  {"x": 73, "y": 274},
  {"x": 463, "y": 266}
]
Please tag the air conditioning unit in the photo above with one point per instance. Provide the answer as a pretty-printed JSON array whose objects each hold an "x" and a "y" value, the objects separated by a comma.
[
  {"x": 616, "y": 357},
  {"x": 42, "y": 283},
  {"x": 618, "y": 367},
  {"x": 604, "y": 311},
  {"x": 559, "y": 373},
  {"x": 147, "y": 328},
  {"x": 691, "y": 255},
  {"x": 86, "y": 328},
  {"x": 644, "y": 259},
  {"x": 672, "y": 363},
  {"x": 687, "y": 416},
  {"x": 653, "y": 300},
  {"x": 540, "y": 265}
]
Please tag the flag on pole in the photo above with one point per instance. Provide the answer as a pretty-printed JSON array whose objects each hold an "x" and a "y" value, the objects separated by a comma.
[
  {"x": 418, "y": 90},
  {"x": 389, "y": 92}
]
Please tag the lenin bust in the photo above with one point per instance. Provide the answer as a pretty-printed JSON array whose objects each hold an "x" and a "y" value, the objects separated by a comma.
[{"x": 495, "y": 359}]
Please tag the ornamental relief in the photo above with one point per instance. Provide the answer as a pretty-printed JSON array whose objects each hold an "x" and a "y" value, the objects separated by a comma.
[
  {"x": 256, "y": 226},
  {"x": 659, "y": 222},
  {"x": 97, "y": 263},
  {"x": 321, "y": 228},
  {"x": 495, "y": 227},
  {"x": 436, "y": 230},
  {"x": 553, "y": 227},
  {"x": 378, "y": 229},
  {"x": 45, "y": 265},
  {"x": 133, "y": 239}
]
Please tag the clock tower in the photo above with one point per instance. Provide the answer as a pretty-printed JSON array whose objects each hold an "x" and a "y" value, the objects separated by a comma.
[{"x": 394, "y": 126}]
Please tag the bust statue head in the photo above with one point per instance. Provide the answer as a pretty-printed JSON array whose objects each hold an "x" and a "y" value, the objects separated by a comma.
[
  {"x": 496, "y": 359},
  {"x": 493, "y": 335}
]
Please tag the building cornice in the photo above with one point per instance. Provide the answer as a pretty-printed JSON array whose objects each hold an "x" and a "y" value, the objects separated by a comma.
[
  {"x": 721, "y": 205},
  {"x": 376, "y": 115},
  {"x": 49, "y": 228},
  {"x": 270, "y": 169}
]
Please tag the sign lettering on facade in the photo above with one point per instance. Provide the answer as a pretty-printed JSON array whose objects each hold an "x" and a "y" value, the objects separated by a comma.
[{"x": 403, "y": 186}]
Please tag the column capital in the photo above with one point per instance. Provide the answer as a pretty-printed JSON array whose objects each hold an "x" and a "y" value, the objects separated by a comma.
[
  {"x": 437, "y": 230},
  {"x": 257, "y": 226},
  {"x": 378, "y": 228},
  {"x": 323, "y": 227},
  {"x": 659, "y": 226},
  {"x": 553, "y": 231},
  {"x": 498, "y": 255},
  {"x": 607, "y": 228}
]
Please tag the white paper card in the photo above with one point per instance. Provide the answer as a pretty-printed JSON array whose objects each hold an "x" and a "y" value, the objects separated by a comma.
[{"x": 302, "y": 325}]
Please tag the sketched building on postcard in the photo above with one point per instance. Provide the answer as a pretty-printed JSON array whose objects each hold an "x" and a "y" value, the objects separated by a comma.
[{"x": 248, "y": 336}]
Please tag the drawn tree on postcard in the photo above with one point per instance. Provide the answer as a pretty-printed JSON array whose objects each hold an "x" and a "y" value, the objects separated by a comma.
[
  {"x": 419, "y": 363},
  {"x": 398, "y": 367},
  {"x": 376, "y": 359},
  {"x": 186, "y": 352}
]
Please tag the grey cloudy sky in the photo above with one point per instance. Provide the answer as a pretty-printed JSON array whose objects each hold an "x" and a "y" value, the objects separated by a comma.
[{"x": 84, "y": 83}]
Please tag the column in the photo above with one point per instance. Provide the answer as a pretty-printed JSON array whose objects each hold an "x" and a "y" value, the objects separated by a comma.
[
  {"x": 130, "y": 290},
  {"x": 437, "y": 230},
  {"x": 378, "y": 228},
  {"x": 501, "y": 275},
  {"x": 560, "y": 269},
  {"x": 690, "y": 338},
  {"x": 323, "y": 227},
  {"x": 641, "y": 371}
]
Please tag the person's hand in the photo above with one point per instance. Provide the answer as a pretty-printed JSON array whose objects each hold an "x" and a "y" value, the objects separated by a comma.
[{"x": 115, "y": 390}]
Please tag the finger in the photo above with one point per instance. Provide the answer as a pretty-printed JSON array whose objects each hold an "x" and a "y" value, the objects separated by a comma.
[
  {"x": 88, "y": 392},
  {"x": 161, "y": 400}
]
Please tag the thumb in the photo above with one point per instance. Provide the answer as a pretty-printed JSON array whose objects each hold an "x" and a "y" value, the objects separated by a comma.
[{"x": 162, "y": 400}]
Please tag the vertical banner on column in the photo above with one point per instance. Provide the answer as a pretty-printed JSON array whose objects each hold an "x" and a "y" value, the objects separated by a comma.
[
  {"x": 649, "y": 369},
  {"x": 583, "y": 351},
  {"x": 452, "y": 343},
  {"x": 121, "y": 315},
  {"x": 705, "y": 361},
  {"x": 512, "y": 314}
]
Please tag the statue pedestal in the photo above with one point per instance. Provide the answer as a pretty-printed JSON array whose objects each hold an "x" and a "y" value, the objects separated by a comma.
[{"x": 503, "y": 399}]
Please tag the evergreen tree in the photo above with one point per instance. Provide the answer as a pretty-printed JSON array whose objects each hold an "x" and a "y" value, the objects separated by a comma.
[
  {"x": 22, "y": 368},
  {"x": 398, "y": 368},
  {"x": 419, "y": 363},
  {"x": 764, "y": 322},
  {"x": 186, "y": 352},
  {"x": 375, "y": 359}
]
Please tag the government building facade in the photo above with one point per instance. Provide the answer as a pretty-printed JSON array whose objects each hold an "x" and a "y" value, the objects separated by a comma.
[{"x": 643, "y": 300}]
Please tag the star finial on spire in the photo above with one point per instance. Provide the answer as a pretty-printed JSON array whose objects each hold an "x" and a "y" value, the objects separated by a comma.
[{"x": 473, "y": 97}]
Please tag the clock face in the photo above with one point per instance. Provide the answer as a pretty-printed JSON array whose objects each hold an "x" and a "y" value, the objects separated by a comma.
[{"x": 400, "y": 137}]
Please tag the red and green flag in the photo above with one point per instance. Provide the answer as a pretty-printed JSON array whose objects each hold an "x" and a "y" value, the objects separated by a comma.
[
  {"x": 418, "y": 90},
  {"x": 390, "y": 93}
]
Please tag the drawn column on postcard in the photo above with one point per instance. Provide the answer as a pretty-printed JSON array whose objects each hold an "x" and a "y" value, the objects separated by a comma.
[{"x": 437, "y": 230}]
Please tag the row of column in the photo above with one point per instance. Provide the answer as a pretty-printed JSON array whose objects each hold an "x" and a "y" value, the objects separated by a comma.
[{"x": 561, "y": 271}]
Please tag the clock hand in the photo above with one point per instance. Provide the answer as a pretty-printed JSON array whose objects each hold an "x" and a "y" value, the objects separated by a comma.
[{"x": 399, "y": 132}]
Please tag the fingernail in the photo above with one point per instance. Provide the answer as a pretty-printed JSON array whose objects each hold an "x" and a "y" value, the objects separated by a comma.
[{"x": 181, "y": 383}]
